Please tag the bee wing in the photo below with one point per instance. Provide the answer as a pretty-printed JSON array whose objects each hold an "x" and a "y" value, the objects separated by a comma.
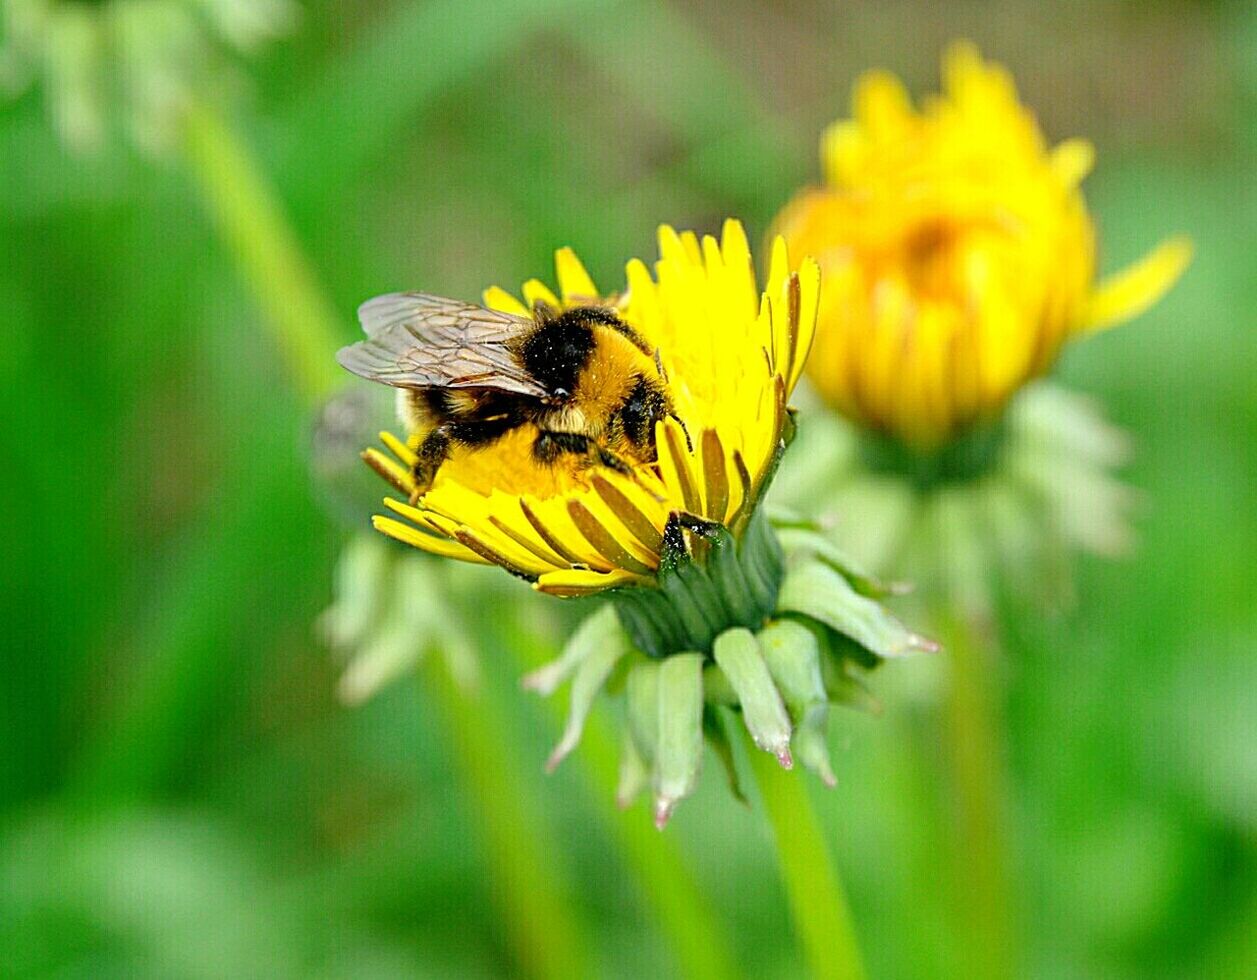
[{"x": 416, "y": 340}]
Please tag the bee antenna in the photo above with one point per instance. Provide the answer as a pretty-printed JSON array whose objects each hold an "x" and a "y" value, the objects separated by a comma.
[
  {"x": 659, "y": 367},
  {"x": 689, "y": 443}
]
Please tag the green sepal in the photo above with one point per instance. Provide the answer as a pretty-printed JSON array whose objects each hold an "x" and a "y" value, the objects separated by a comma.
[
  {"x": 781, "y": 517},
  {"x": 817, "y": 591},
  {"x": 793, "y": 654},
  {"x": 634, "y": 773},
  {"x": 964, "y": 550},
  {"x": 359, "y": 588},
  {"x": 966, "y": 457},
  {"x": 410, "y": 623},
  {"x": 811, "y": 743},
  {"x": 1040, "y": 485},
  {"x": 1086, "y": 505},
  {"x": 679, "y": 746},
  {"x": 716, "y": 687},
  {"x": 650, "y": 619},
  {"x": 842, "y": 684},
  {"x": 695, "y": 599},
  {"x": 876, "y": 514},
  {"x": 738, "y": 656},
  {"x": 391, "y": 608},
  {"x": 804, "y": 543},
  {"x": 707, "y": 581},
  {"x": 664, "y": 744},
  {"x": 744, "y": 606},
  {"x": 598, "y": 631},
  {"x": 1048, "y": 418},
  {"x": 762, "y": 562},
  {"x": 642, "y": 696},
  {"x": 588, "y": 681},
  {"x": 789, "y": 426},
  {"x": 1016, "y": 532}
]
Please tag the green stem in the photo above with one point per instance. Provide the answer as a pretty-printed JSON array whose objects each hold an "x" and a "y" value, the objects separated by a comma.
[
  {"x": 251, "y": 223},
  {"x": 974, "y": 751},
  {"x": 526, "y": 886},
  {"x": 666, "y": 882},
  {"x": 822, "y": 916},
  {"x": 684, "y": 914}
]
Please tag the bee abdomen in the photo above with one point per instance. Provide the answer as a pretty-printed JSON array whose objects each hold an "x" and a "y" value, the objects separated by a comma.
[
  {"x": 421, "y": 409},
  {"x": 413, "y": 411}
]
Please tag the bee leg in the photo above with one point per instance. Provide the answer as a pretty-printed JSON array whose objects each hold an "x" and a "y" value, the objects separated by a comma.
[
  {"x": 551, "y": 445},
  {"x": 604, "y": 457},
  {"x": 432, "y": 452}
]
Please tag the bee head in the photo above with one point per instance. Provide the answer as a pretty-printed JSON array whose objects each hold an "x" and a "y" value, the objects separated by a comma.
[{"x": 645, "y": 405}]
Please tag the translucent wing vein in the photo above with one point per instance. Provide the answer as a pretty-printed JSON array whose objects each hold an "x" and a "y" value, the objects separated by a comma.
[{"x": 416, "y": 340}]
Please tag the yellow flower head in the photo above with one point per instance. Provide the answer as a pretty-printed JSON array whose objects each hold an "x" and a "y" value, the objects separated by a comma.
[
  {"x": 730, "y": 356},
  {"x": 705, "y": 613},
  {"x": 957, "y": 252}
]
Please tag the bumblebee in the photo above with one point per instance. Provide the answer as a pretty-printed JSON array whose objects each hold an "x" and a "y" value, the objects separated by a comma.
[{"x": 592, "y": 387}]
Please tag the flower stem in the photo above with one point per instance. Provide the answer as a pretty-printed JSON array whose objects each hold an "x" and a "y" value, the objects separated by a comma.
[
  {"x": 663, "y": 875},
  {"x": 252, "y": 224},
  {"x": 523, "y": 882},
  {"x": 683, "y": 912},
  {"x": 973, "y": 749},
  {"x": 822, "y": 916}
]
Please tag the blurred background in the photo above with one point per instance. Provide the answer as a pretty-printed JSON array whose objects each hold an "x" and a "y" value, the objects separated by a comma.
[{"x": 182, "y": 794}]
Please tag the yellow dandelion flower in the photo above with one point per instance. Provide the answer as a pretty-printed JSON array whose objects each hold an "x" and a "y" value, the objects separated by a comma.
[
  {"x": 707, "y": 613},
  {"x": 957, "y": 251},
  {"x": 731, "y": 357}
]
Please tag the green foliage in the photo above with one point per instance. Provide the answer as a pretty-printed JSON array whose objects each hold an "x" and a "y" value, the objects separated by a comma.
[{"x": 180, "y": 793}]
